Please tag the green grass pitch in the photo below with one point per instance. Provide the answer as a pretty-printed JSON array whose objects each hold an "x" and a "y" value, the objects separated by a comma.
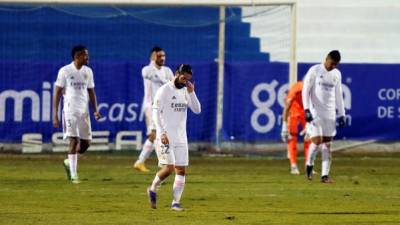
[{"x": 238, "y": 190}]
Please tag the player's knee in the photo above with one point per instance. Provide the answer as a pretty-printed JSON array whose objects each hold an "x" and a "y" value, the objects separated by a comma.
[
  {"x": 152, "y": 136},
  {"x": 73, "y": 145},
  {"x": 73, "y": 140},
  {"x": 83, "y": 146},
  {"x": 316, "y": 140},
  {"x": 293, "y": 137},
  {"x": 170, "y": 169},
  {"x": 180, "y": 170}
]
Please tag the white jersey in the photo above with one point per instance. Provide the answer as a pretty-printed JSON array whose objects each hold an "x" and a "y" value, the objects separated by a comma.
[
  {"x": 75, "y": 83},
  {"x": 322, "y": 92},
  {"x": 153, "y": 79},
  {"x": 170, "y": 112}
]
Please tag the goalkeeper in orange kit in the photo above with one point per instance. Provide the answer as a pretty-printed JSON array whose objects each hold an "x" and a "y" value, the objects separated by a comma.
[{"x": 293, "y": 116}]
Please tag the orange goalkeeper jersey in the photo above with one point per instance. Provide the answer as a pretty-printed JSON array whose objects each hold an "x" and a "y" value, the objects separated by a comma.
[{"x": 296, "y": 108}]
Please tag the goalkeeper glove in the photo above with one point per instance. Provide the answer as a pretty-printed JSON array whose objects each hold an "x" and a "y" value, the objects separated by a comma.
[
  {"x": 341, "y": 121},
  {"x": 285, "y": 136},
  {"x": 309, "y": 117}
]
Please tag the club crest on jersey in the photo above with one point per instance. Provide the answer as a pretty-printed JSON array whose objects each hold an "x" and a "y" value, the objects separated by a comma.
[
  {"x": 173, "y": 97},
  {"x": 85, "y": 76}
]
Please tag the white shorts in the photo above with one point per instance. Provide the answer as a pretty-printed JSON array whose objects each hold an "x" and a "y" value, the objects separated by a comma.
[
  {"x": 322, "y": 127},
  {"x": 174, "y": 154},
  {"x": 77, "y": 125}
]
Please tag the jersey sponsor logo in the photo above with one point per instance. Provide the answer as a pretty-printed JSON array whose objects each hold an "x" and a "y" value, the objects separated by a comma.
[
  {"x": 78, "y": 85},
  {"x": 179, "y": 107},
  {"x": 326, "y": 85}
]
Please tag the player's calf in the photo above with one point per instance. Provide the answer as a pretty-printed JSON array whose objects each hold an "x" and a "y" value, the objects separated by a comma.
[{"x": 309, "y": 171}]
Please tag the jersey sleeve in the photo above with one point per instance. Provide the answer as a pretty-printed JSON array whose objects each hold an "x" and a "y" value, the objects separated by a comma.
[
  {"x": 339, "y": 96},
  {"x": 91, "y": 79},
  {"x": 170, "y": 74},
  {"x": 308, "y": 83},
  {"x": 193, "y": 102},
  {"x": 145, "y": 72},
  {"x": 148, "y": 95},
  {"x": 158, "y": 110},
  {"x": 148, "y": 73},
  {"x": 61, "y": 79}
]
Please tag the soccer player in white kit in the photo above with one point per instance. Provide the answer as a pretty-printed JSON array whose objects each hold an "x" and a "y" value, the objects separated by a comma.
[
  {"x": 154, "y": 76},
  {"x": 170, "y": 115},
  {"x": 322, "y": 95},
  {"x": 75, "y": 82}
]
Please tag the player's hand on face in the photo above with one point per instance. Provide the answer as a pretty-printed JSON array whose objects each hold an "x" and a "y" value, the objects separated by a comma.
[
  {"x": 97, "y": 115},
  {"x": 56, "y": 122},
  {"x": 190, "y": 86},
  {"x": 164, "y": 139}
]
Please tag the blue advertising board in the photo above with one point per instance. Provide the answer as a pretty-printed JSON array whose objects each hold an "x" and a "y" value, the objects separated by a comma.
[{"x": 253, "y": 100}]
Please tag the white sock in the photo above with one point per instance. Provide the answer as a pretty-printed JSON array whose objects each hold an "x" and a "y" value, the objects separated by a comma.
[
  {"x": 73, "y": 164},
  {"x": 178, "y": 187},
  {"x": 312, "y": 153},
  {"x": 326, "y": 159},
  {"x": 156, "y": 183},
  {"x": 147, "y": 149}
]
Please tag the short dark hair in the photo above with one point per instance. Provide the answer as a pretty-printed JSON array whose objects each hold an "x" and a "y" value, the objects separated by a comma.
[
  {"x": 184, "y": 68},
  {"x": 76, "y": 49},
  {"x": 334, "y": 55},
  {"x": 156, "y": 49}
]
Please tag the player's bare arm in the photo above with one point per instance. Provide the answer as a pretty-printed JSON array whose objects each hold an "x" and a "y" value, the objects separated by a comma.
[
  {"x": 93, "y": 102},
  {"x": 57, "y": 96}
]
